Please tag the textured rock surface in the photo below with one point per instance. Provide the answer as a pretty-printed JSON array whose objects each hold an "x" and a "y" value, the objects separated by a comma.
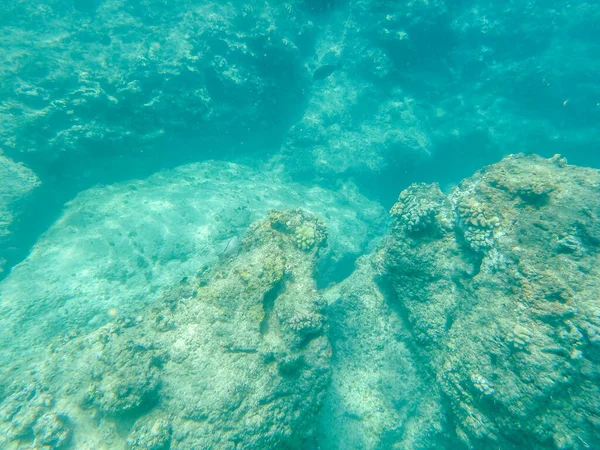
[
  {"x": 234, "y": 357},
  {"x": 493, "y": 284},
  {"x": 381, "y": 395},
  {"x": 360, "y": 121},
  {"x": 116, "y": 248},
  {"x": 351, "y": 87},
  {"x": 111, "y": 76},
  {"x": 500, "y": 290},
  {"x": 475, "y": 324}
]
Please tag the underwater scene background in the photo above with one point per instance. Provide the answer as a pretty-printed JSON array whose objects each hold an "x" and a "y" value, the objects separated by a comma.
[{"x": 335, "y": 224}]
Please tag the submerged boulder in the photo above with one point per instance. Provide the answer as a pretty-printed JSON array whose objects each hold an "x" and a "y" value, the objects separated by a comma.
[
  {"x": 499, "y": 282},
  {"x": 475, "y": 324},
  {"x": 235, "y": 357},
  {"x": 116, "y": 248},
  {"x": 381, "y": 394}
]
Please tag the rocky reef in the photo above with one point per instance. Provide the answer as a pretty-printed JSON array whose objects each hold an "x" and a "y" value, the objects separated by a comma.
[
  {"x": 380, "y": 394},
  {"x": 109, "y": 74},
  {"x": 154, "y": 298},
  {"x": 118, "y": 247},
  {"x": 234, "y": 357},
  {"x": 380, "y": 94},
  {"x": 497, "y": 281},
  {"x": 342, "y": 88},
  {"x": 474, "y": 323}
]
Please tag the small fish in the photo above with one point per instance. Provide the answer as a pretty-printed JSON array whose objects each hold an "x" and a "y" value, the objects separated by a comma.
[
  {"x": 324, "y": 71},
  {"x": 233, "y": 244}
]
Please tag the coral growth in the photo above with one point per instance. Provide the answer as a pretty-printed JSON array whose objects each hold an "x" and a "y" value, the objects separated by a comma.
[{"x": 513, "y": 322}]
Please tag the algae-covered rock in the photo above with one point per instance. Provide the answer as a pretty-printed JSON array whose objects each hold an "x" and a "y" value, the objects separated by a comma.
[
  {"x": 243, "y": 363},
  {"x": 115, "y": 249},
  {"x": 308, "y": 230},
  {"x": 28, "y": 414},
  {"x": 381, "y": 394},
  {"x": 51, "y": 431},
  {"x": 124, "y": 377},
  {"x": 226, "y": 70},
  {"x": 501, "y": 291},
  {"x": 150, "y": 435}
]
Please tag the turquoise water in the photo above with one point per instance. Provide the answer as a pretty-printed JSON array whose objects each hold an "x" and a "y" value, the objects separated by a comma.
[{"x": 248, "y": 225}]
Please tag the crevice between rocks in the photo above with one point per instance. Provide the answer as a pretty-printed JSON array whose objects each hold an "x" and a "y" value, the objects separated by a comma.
[{"x": 268, "y": 303}]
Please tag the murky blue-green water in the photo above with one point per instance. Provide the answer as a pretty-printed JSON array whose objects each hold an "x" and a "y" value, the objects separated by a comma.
[{"x": 296, "y": 225}]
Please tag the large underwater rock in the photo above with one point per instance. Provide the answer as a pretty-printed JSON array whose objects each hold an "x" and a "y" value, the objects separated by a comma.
[
  {"x": 106, "y": 78},
  {"x": 236, "y": 357},
  {"x": 381, "y": 393},
  {"x": 357, "y": 121},
  {"x": 475, "y": 324},
  {"x": 359, "y": 87},
  {"x": 499, "y": 285},
  {"x": 116, "y": 248},
  {"x": 16, "y": 184}
]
